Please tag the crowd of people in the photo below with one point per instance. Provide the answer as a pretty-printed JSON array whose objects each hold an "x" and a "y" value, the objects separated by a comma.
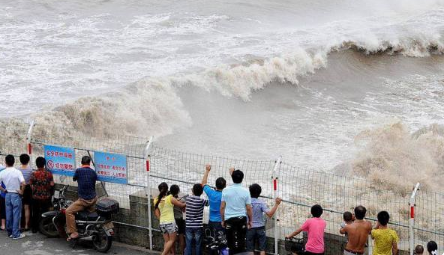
[
  {"x": 239, "y": 214},
  {"x": 25, "y": 194},
  {"x": 235, "y": 212}
]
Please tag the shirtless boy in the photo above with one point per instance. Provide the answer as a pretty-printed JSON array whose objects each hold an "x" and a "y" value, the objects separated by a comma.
[{"x": 357, "y": 233}]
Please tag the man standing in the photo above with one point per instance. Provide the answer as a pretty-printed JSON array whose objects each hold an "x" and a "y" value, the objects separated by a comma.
[
  {"x": 15, "y": 185},
  {"x": 357, "y": 232},
  {"x": 42, "y": 184},
  {"x": 234, "y": 209},
  {"x": 214, "y": 198},
  {"x": 86, "y": 178}
]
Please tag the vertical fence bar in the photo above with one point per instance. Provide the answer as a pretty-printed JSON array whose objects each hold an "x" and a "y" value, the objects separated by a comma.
[
  {"x": 28, "y": 141},
  {"x": 275, "y": 178},
  {"x": 148, "y": 188},
  {"x": 412, "y": 204}
]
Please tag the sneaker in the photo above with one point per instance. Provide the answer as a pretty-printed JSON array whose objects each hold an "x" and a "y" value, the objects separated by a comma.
[
  {"x": 10, "y": 236},
  {"x": 19, "y": 237}
]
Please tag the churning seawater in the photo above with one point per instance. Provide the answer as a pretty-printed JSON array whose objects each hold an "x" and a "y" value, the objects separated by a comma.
[{"x": 325, "y": 84}]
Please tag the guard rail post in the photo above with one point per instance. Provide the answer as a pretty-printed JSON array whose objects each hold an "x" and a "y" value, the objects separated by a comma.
[
  {"x": 412, "y": 204},
  {"x": 275, "y": 178},
  {"x": 148, "y": 188}
]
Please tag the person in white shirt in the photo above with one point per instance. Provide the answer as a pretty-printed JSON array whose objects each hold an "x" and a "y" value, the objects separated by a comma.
[{"x": 15, "y": 184}]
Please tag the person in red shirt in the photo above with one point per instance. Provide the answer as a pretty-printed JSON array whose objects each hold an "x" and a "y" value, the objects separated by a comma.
[
  {"x": 42, "y": 184},
  {"x": 315, "y": 227}
]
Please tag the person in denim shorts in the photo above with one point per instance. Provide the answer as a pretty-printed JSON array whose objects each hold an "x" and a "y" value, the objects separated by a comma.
[
  {"x": 164, "y": 211},
  {"x": 257, "y": 231}
]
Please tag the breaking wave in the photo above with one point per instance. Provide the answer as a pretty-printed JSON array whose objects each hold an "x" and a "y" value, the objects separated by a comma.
[{"x": 392, "y": 153}]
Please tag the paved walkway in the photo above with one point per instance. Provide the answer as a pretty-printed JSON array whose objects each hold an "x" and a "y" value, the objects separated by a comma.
[{"x": 37, "y": 244}]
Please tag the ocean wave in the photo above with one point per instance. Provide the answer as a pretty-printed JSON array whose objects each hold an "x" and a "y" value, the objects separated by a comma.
[
  {"x": 152, "y": 105},
  {"x": 392, "y": 151}
]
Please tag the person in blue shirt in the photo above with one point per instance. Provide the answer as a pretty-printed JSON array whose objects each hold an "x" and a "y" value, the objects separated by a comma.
[
  {"x": 86, "y": 179},
  {"x": 234, "y": 209},
  {"x": 2, "y": 203},
  {"x": 214, "y": 198}
]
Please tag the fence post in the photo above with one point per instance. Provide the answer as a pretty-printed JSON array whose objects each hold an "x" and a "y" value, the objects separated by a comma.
[
  {"x": 28, "y": 140},
  {"x": 412, "y": 204},
  {"x": 275, "y": 178},
  {"x": 148, "y": 188}
]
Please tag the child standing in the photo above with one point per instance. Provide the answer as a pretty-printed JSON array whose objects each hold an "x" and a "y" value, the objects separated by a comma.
[
  {"x": 386, "y": 239},
  {"x": 257, "y": 231},
  {"x": 194, "y": 225},
  {"x": 164, "y": 210}
]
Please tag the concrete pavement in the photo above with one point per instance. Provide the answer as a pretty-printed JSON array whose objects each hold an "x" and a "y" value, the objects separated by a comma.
[{"x": 37, "y": 244}]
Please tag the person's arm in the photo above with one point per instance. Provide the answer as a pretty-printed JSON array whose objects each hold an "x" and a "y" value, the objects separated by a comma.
[
  {"x": 250, "y": 215},
  {"x": 295, "y": 233},
  {"x": 177, "y": 203},
  {"x": 275, "y": 207},
  {"x": 205, "y": 177},
  {"x": 222, "y": 212},
  {"x": 395, "y": 248},
  {"x": 74, "y": 178},
  {"x": 343, "y": 229},
  {"x": 231, "y": 170},
  {"x": 22, "y": 184}
]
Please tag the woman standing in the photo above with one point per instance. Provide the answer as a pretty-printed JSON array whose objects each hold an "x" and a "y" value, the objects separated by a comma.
[{"x": 164, "y": 211}]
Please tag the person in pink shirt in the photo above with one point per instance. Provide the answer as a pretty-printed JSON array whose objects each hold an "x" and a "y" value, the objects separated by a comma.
[{"x": 315, "y": 228}]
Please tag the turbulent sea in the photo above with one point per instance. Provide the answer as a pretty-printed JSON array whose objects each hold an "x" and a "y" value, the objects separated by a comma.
[{"x": 338, "y": 86}]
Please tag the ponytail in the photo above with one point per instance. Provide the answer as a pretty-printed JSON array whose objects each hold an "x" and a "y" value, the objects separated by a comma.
[{"x": 163, "y": 188}]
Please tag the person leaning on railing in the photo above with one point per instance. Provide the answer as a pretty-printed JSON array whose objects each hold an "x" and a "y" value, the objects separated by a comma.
[{"x": 315, "y": 227}]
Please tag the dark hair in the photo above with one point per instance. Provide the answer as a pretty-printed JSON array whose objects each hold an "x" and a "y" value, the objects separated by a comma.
[
  {"x": 163, "y": 188},
  {"x": 432, "y": 246},
  {"x": 221, "y": 183},
  {"x": 360, "y": 212},
  {"x": 255, "y": 190},
  {"x": 348, "y": 216},
  {"x": 237, "y": 176},
  {"x": 9, "y": 160},
  {"x": 419, "y": 249},
  {"x": 383, "y": 217},
  {"x": 86, "y": 160},
  {"x": 197, "y": 189},
  {"x": 316, "y": 211},
  {"x": 24, "y": 159},
  {"x": 40, "y": 162},
  {"x": 174, "y": 190}
]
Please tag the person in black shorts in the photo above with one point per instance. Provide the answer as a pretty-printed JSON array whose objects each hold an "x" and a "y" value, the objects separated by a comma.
[
  {"x": 178, "y": 216},
  {"x": 27, "y": 194}
]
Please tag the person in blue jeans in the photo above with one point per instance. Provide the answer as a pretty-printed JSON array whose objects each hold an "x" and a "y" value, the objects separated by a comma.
[
  {"x": 256, "y": 234},
  {"x": 215, "y": 199},
  {"x": 194, "y": 221},
  {"x": 2, "y": 203},
  {"x": 15, "y": 184}
]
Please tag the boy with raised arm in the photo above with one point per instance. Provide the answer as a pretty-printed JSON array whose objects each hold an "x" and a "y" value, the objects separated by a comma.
[{"x": 214, "y": 198}]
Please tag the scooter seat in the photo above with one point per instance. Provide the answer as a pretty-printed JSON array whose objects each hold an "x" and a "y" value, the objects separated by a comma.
[{"x": 85, "y": 215}]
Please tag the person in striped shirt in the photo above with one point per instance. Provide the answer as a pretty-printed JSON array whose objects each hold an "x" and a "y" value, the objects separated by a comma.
[{"x": 194, "y": 221}]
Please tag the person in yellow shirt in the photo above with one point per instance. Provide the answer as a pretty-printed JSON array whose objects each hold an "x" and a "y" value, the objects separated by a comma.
[
  {"x": 164, "y": 211},
  {"x": 386, "y": 239}
]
